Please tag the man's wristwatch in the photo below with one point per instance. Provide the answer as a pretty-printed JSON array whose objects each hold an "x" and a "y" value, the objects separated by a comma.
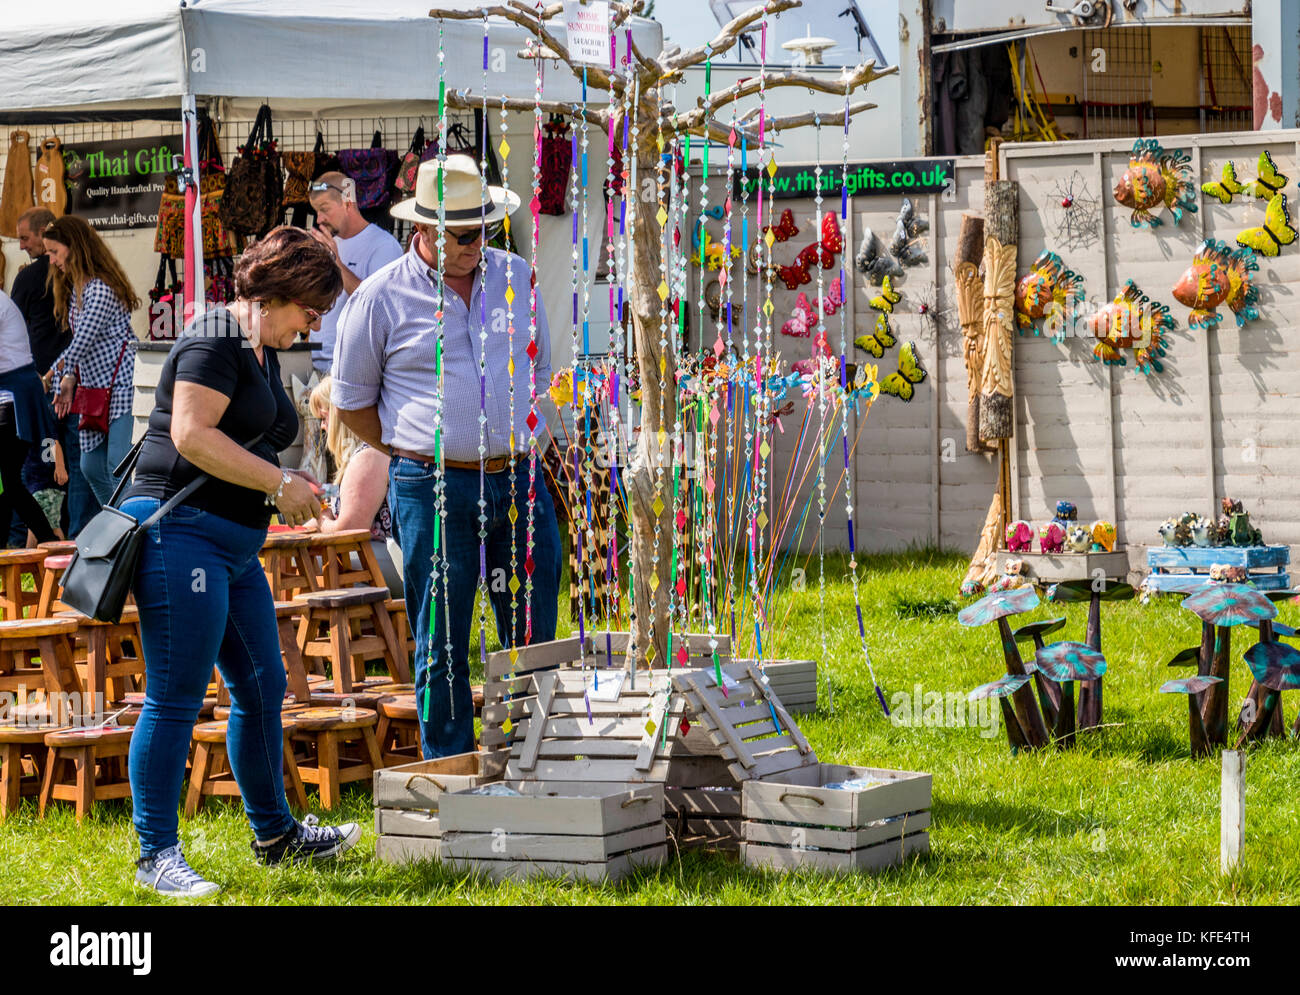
[{"x": 273, "y": 499}]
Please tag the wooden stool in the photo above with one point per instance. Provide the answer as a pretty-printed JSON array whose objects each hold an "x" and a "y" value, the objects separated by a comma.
[
  {"x": 52, "y": 569},
  {"x": 59, "y": 547},
  {"x": 330, "y": 560},
  {"x": 332, "y": 630},
  {"x": 289, "y": 616},
  {"x": 287, "y": 566},
  {"x": 210, "y": 772},
  {"x": 86, "y": 766},
  {"x": 16, "y": 564},
  {"x": 19, "y": 743},
  {"x": 398, "y": 732},
  {"x": 323, "y": 732},
  {"x": 48, "y": 640},
  {"x": 109, "y": 656}
]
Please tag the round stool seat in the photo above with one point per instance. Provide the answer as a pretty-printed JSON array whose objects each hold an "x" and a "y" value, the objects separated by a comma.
[
  {"x": 321, "y": 719},
  {"x": 287, "y": 540},
  {"x": 58, "y": 547},
  {"x": 30, "y": 628},
  {"x": 288, "y": 609},
  {"x": 390, "y": 689},
  {"x": 57, "y": 561},
  {"x": 87, "y": 737},
  {"x": 209, "y": 732},
  {"x": 24, "y": 734},
  {"x": 346, "y": 597},
  {"x": 359, "y": 697},
  {"x": 399, "y": 707},
  {"x": 22, "y": 557}
]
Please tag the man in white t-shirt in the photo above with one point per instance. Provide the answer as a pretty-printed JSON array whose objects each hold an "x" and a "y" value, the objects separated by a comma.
[{"x": 359, "y": 249}]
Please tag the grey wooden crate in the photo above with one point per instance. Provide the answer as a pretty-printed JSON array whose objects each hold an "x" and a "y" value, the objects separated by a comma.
[
  {"x": 418, "y": 786},
  {"x": 405, "y": 849},
  {"x": 794, "y": 820},
  {"x": 1051, "y": 568},
  {"x": 554, "y": 829}
]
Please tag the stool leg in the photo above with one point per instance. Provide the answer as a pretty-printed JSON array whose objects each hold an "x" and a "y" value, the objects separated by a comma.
[
  {"x": 85, "y": 764},
  {"x": 198, "y": 777},
  {"x": 52, "y": 761},
  {"x": 294, "y": 789},
  {"x": 327, "y": 760},
  {"x": 293, "y": 663},
  {"x": 341, "y": 650},
  {"x": 395, "y": 654},
  {"x": 11, "y": 778},
  {"x": 372, "y": 748}
]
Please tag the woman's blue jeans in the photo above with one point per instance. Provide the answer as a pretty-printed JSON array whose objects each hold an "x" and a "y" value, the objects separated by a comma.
[
  {"x": 97, "y": 465},
  {"x": 204, "y": 600},
  {"x": 448, "y": 727}
]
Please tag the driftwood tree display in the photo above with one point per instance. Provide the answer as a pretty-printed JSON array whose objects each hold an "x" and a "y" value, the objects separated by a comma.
[{"x": 641, "y": 92}]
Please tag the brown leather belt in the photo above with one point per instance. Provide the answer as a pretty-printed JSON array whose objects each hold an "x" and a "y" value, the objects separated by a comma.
[{"x": 493, "y": 464}]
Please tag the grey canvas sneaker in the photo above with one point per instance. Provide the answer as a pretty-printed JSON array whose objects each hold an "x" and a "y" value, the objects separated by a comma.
[{"x": 167, "y": 873}]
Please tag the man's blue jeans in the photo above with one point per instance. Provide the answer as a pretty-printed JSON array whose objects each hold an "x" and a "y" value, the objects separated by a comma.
[
  {"x": 98, "y": 464},
  {"x": 448, "y": 728},
  {"x": 204, "y": 600}
]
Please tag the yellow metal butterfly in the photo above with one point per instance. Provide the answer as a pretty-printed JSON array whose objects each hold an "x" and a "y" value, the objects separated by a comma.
[
  {"x": 1223, "y": 190},
  {"x": 1270, "y": 181},
  {"x": 1275, "y": 232},
  {"x": 902, "y": 384},
  {"x": 878, "y": 341},
  {"x": 886, "y": 299}
]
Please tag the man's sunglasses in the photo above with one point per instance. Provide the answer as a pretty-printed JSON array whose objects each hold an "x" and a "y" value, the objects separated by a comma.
[{"x": 472, "y": 236}]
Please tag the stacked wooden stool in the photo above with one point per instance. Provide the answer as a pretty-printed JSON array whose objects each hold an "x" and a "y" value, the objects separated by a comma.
[{"x": 211, "y": 775}]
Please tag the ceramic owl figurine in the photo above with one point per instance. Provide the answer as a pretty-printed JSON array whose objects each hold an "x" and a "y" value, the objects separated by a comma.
[
  {"x": 1067, "y": 514},
  {"x": 1078, "y": 539},
  {"x": 1221, "y": 533},
  {"x": 1202, "y": 532},
  {"x": 1169, "y": 531},
  {"x": 1020, "y": 537},
  {"x": 1103, "y": 535},
  {"x": 1051, "y": 538}
]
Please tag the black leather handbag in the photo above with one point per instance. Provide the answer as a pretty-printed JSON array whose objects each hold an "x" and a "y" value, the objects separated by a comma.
[{"x": 101, "y": 571}]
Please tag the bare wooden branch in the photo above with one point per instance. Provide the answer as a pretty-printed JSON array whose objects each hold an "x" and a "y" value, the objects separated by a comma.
[
  {"x": 466, "y": 100},
  {"x": 803, "y": 120},
  {"x": 726, "y": 38},
  {"x": 860, "y": 76}
]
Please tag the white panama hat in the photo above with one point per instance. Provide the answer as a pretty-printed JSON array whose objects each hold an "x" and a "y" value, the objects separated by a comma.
[{"x": 462, "y": 196}]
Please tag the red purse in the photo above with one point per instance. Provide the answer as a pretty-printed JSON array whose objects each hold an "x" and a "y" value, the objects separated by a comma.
[{"x": 92, "y": 402}]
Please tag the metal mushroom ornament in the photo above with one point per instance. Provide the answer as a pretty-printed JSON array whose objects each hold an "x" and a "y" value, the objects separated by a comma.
[{"x": 996, "y": 608}]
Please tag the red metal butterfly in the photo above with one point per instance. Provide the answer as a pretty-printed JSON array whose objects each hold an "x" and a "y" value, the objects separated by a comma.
[{"x": 786, "y": 229}]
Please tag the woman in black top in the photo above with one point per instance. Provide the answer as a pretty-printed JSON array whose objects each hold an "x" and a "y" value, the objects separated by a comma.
[{"x": 222, "y": 410}]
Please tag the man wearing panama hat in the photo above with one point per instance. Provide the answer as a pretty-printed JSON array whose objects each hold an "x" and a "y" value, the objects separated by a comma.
[{"x": 386, "y": 390}]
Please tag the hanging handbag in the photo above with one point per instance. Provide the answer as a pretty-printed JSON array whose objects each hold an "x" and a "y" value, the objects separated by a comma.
[
  {"x": 410, "y": 165},
  {"x": 371, "y": 170},
  {"x": 162, "y": 301},
  {"x": 51, "y": 180},
  {"x": 16, "y": 196},
  {"x": 100, "y": 574},
  {"x": 169, "y": 235},
  {"x": 326, "y": 162},
  {"x": 254, "y": 185},
  {"x": 92, "y": 402}
]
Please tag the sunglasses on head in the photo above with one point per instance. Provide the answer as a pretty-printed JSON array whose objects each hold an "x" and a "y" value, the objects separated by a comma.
[{"x": 320, "y": 186}]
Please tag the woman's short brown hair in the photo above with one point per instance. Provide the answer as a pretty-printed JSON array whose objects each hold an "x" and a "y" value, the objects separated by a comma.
[{"x": 287, "y": 264}]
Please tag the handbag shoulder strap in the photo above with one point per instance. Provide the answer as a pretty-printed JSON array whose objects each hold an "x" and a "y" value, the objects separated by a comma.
[
  {"x": 378, "y": 141},
  {"x": 319, "y": 147},
  {"x": 133, "y": 457},
  {"x": 417, "y": 141}
]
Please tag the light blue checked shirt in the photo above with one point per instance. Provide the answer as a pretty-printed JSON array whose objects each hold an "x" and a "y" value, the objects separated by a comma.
[{"x": 387, "y": 355}]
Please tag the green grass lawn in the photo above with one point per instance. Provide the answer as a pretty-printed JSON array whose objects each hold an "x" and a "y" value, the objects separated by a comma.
[{"x": 1126, "y": 818}]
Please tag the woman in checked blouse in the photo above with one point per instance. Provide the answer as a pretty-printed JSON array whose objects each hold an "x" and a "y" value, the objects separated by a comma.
[{"x": 93, "y": 296}]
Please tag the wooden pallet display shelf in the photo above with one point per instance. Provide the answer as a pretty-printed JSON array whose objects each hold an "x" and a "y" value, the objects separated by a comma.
[
  {"x": 583, "y": 832},
  {"x": 406, "y": 802},
  {"x": 1265, "y": 566},
  {"x": 794, "y": 821},
  {"x": 794, "y": 682}
]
